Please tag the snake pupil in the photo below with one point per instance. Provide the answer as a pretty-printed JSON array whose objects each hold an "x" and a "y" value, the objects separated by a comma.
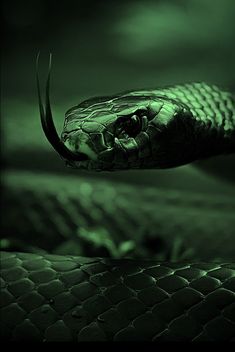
[{"x": 133, "y": 126}]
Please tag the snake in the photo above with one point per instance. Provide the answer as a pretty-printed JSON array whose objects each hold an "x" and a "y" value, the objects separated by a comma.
[{"x": 47, "y": 297}]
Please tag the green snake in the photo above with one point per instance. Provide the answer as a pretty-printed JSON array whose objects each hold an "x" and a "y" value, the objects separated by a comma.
[{"x": 53, "y": 298}]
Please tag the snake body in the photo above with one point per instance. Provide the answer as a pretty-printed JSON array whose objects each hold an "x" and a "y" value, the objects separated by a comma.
[
  {"x": 52, "y": 298},
  {"x": 57, "y": 298}
]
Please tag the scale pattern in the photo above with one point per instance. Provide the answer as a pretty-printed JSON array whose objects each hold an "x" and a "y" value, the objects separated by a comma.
[
  {"x": 207, "y": 103},
  {"x": 57, "y": 298},
  {"x": 54, "y": 298},
  {"x": 43, "y": 210}
]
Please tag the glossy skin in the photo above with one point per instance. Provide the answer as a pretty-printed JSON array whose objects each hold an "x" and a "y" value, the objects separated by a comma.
[
  {"x": 151, "y": 129},
  {"x": 94, "y": 299},
  {"x": 158, "y": 128},
  {"x": 180, "y": 124}
]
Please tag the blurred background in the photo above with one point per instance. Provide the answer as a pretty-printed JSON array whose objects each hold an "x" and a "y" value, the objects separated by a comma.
[{"x": 101, "y": 48}]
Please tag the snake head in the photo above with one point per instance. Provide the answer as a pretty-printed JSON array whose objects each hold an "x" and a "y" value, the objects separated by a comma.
[
  {"x": 126, "y": 132},
  {"x": 129, "y": 131}
]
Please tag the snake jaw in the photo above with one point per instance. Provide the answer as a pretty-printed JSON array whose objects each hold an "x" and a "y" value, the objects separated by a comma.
[{"x": 97, "y": 148}]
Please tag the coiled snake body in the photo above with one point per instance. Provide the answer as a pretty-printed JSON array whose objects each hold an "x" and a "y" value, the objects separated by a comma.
[{"x": 51, "y": 298}]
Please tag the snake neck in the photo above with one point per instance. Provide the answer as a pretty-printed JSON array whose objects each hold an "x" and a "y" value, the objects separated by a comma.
[
  {"x": 212, "y": 118},
  {"x": 212, "y": 139}
]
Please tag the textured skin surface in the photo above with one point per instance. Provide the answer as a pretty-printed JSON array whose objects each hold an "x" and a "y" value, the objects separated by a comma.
[
  {"x": 54, "y": 298},
  {"x": 77, "y": 202}
]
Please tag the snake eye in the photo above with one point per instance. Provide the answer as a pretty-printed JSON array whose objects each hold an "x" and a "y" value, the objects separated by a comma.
[{"x": 133, "y": 125}]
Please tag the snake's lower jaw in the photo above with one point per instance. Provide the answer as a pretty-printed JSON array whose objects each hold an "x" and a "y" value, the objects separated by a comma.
[{"x": 103, "y": 162}]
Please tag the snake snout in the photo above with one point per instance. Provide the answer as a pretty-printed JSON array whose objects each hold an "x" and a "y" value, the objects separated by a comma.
[{"x": 79, "y": 143}]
